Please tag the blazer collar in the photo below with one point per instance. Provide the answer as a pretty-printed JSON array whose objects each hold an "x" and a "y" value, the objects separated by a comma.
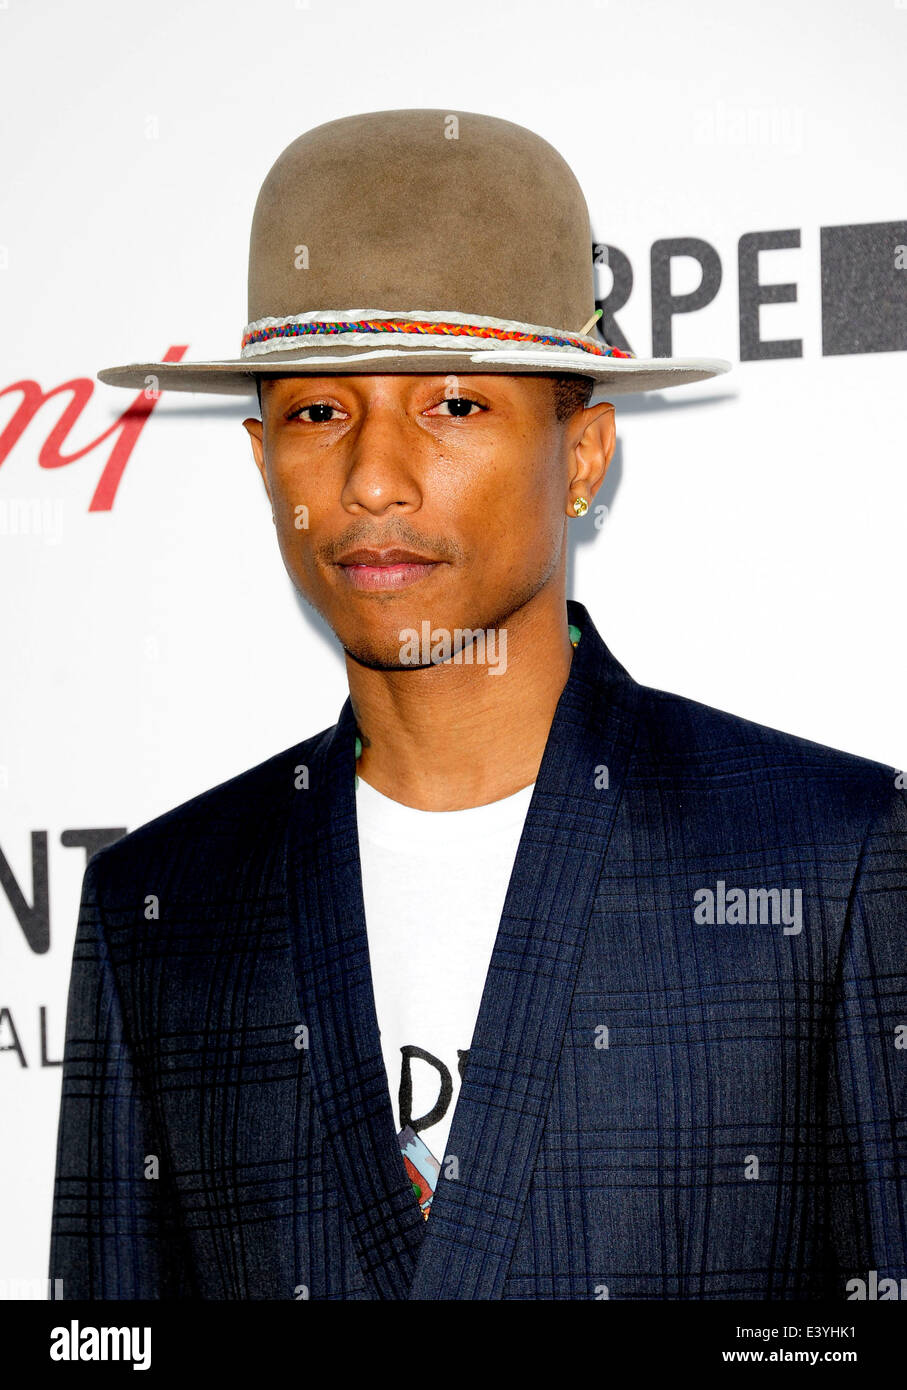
[{"x": 464, "y": 1249}]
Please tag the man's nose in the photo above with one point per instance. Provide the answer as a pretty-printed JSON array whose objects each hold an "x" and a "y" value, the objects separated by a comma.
[{"x": 383, "y": 467}]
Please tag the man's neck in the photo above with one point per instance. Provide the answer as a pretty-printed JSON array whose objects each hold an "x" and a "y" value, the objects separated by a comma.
[{"x": 457, "y": 734}]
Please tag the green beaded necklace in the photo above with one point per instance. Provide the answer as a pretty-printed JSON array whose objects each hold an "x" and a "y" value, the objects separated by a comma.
[{"x": 575, "y": 635}]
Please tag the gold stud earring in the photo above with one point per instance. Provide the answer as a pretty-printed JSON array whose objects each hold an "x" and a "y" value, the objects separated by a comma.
[{"x": 580, "y": 506}]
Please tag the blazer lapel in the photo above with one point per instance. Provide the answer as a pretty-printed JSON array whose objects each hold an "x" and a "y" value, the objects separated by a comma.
[
  {"x": 509, "y": 1075},
  {"x": 334, "y": 985}
]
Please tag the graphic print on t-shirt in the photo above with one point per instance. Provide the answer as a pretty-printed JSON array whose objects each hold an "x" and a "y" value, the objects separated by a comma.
[{"x": 423, "y": 1166}]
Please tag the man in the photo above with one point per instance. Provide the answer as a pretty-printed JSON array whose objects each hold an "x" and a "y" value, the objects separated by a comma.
[{"x": 523, "y": 981}]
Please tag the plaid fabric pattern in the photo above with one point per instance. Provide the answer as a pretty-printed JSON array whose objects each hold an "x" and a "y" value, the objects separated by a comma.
[{"x": 653, "y": 1107}]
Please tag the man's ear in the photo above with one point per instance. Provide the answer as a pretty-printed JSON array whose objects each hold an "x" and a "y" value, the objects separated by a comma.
[
  {"x": 255, "y": 430},
  {"x": 591, "y": 450}
]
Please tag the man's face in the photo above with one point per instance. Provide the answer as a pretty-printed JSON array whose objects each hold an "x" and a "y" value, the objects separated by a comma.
[{"x": 402, "y": 498}]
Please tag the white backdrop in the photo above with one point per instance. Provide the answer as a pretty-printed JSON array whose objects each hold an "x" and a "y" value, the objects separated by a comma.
[{"x": 753, "y": 553}]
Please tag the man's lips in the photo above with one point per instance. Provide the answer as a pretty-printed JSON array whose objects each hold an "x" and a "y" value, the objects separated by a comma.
[{"x": 393, "y": 568}]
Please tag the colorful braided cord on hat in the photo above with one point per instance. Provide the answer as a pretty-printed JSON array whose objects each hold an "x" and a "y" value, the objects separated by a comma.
[{"x": 324, "y": 326}]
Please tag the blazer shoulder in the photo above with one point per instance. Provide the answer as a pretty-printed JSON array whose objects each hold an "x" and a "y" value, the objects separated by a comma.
[
  {"x": 690, "y": 737},
  {"x": 218, "y": 821}
]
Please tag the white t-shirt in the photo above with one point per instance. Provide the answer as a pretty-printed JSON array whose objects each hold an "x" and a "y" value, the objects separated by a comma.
[{"x": 434, "y": 884}]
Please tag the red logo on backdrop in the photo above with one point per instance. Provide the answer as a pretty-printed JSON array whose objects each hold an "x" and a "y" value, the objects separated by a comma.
[{"x": 123, "y": 432}]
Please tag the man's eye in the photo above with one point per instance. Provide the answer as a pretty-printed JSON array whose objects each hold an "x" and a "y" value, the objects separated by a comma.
[
  {"x": 460, "y": 406},
  {"x": 322, "y": 412}
]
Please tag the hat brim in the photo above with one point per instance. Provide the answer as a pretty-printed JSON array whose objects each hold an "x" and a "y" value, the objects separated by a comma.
[{"x": 236, "y": 377}]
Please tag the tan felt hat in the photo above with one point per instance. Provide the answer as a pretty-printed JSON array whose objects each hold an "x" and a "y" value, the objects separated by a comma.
[{"x": 462, "y": 243}]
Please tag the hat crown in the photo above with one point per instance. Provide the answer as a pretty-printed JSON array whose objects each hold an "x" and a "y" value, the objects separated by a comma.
[{"x": 422, "y": 210}]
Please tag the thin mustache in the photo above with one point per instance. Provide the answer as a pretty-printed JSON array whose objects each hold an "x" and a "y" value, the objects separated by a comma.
[{"x": 405, "y": 540}]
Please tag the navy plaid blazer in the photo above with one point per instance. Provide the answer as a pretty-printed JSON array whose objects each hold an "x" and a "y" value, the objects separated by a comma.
[{"x": 653, "y": 1106}]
